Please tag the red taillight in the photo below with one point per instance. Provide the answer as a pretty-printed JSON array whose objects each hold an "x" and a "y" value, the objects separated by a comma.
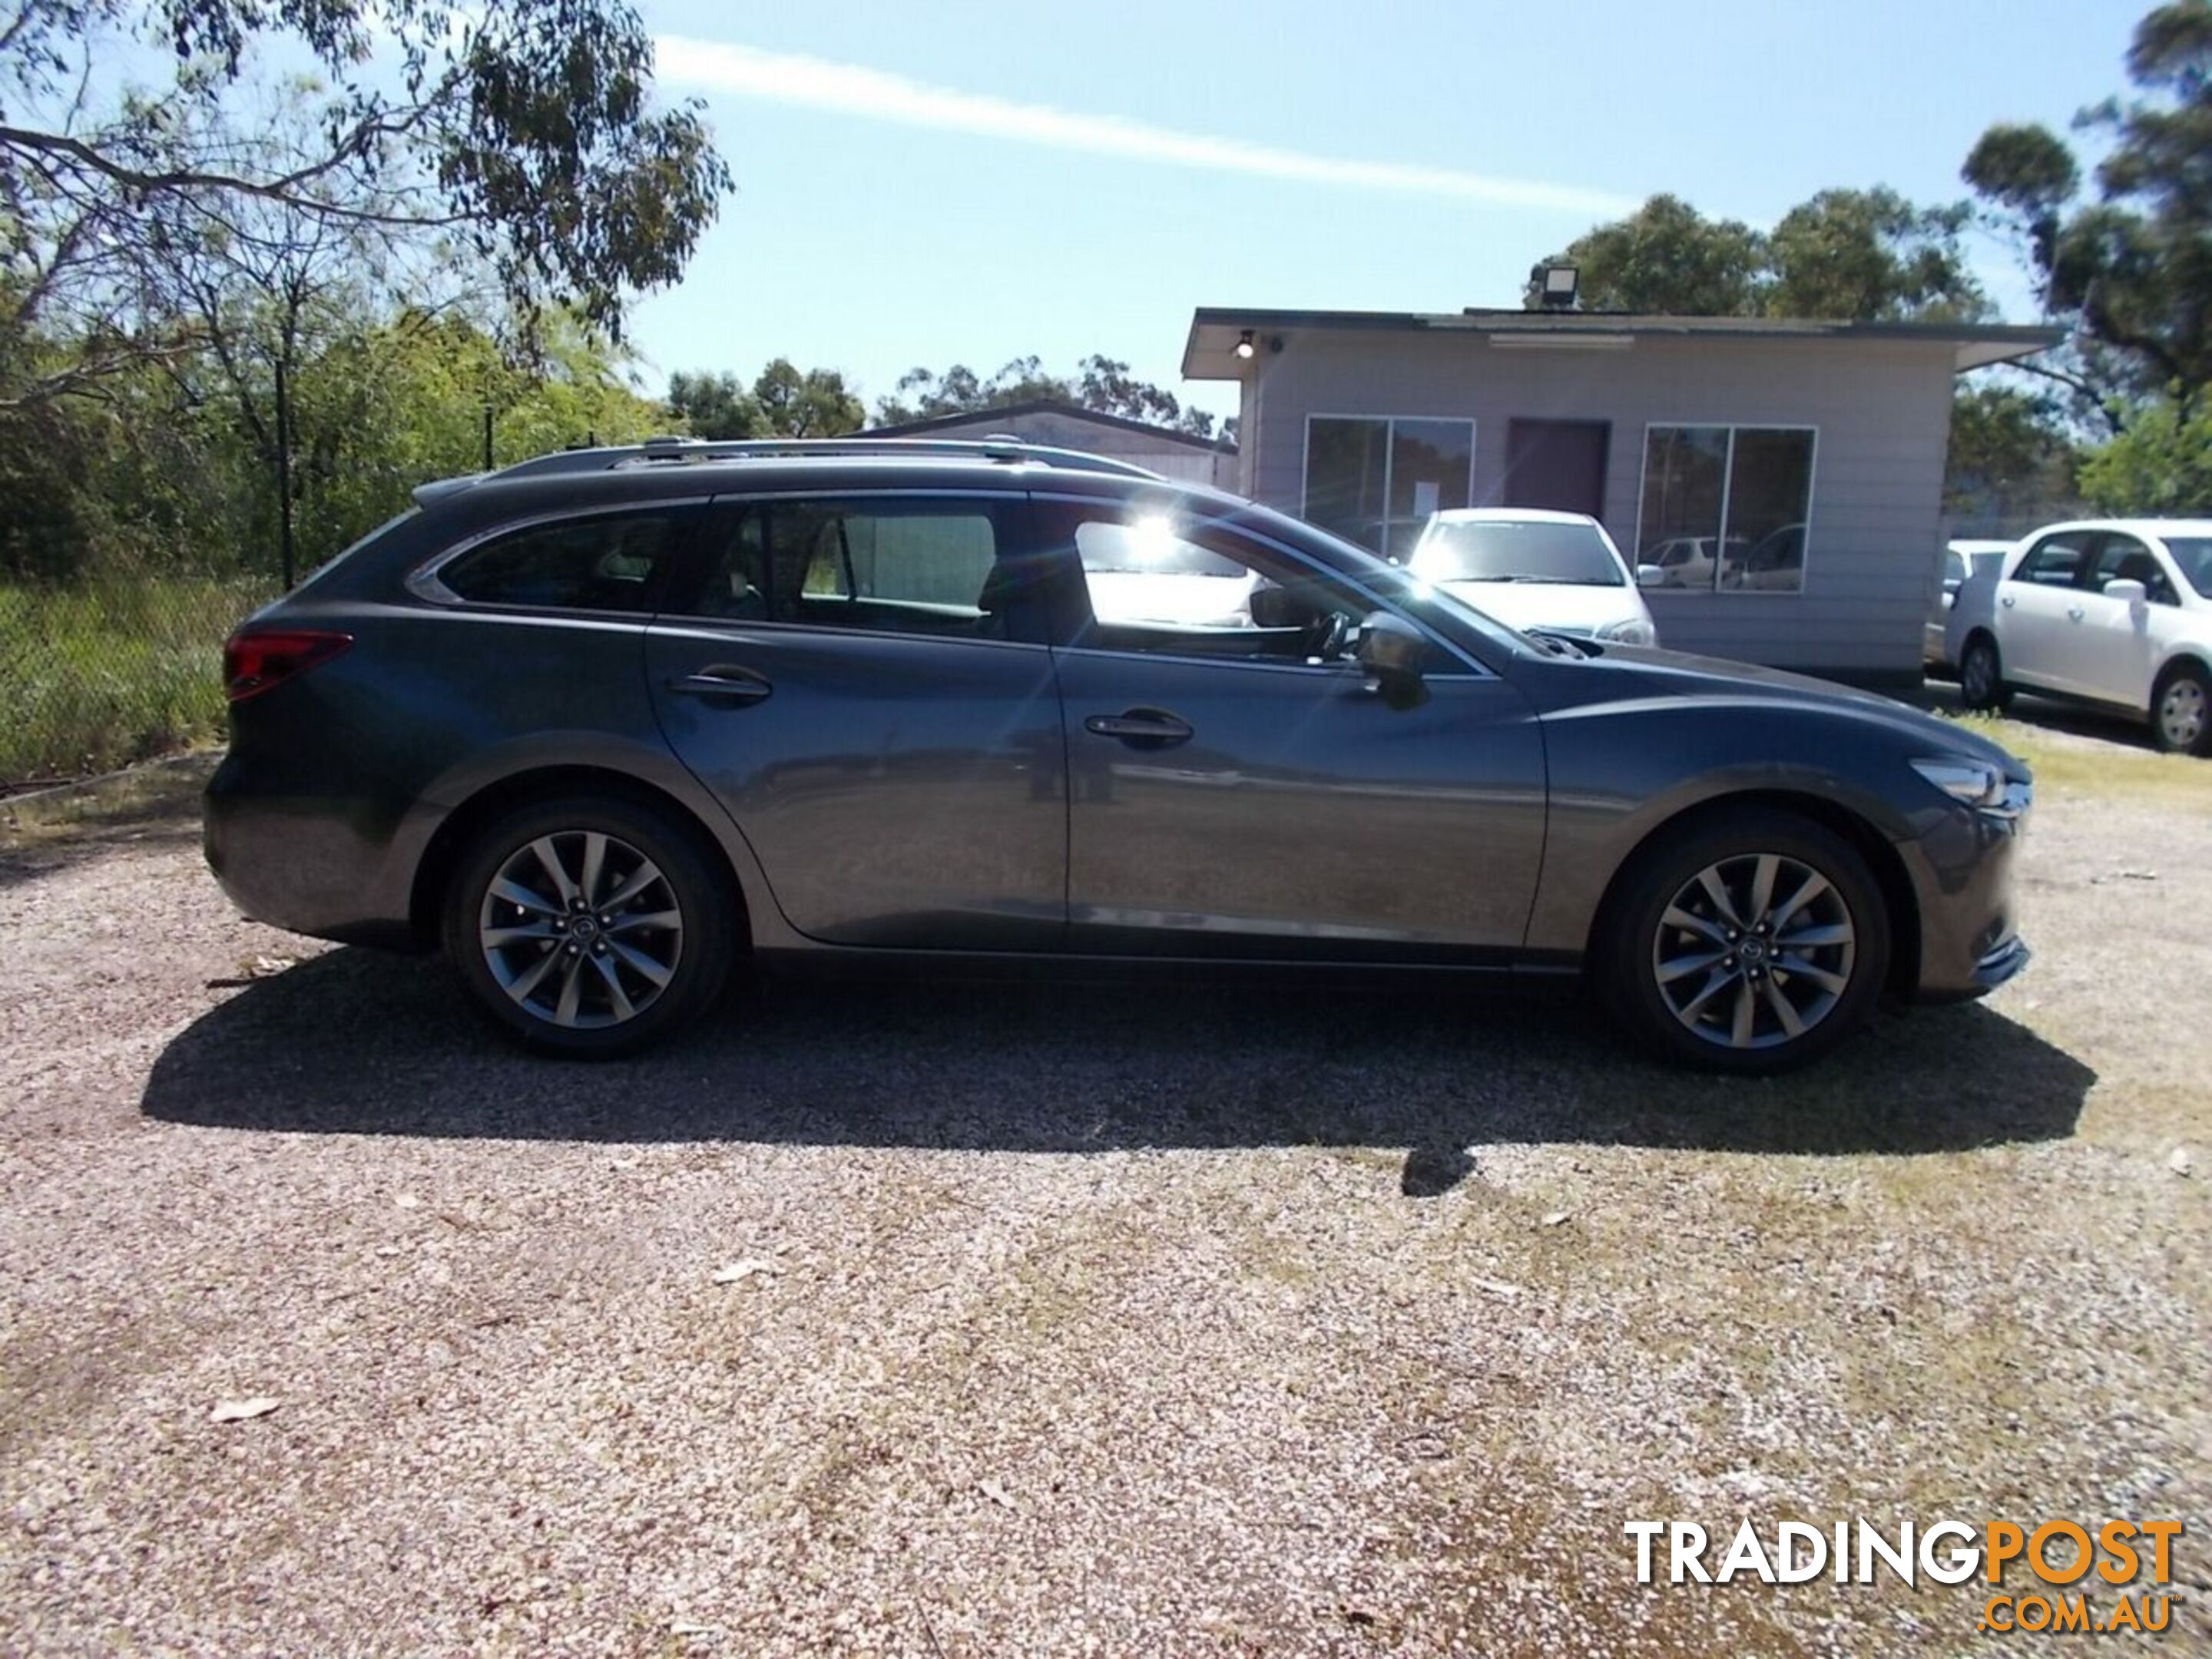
[{"x": 252, "y": 663}]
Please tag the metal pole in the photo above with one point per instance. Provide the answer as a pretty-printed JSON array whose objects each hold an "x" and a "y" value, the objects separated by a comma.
[
  {"x": 488, "y": 460},
  {"x": 284, "y": 473}
]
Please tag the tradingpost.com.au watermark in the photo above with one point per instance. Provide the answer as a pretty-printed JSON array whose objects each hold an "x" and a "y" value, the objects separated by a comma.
[{"x": 2054, "y": 1576}]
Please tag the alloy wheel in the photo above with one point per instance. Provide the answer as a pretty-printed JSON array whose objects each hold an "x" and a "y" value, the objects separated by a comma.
[
  {"x": 2181, "y": 713},
  {"x": 1754, "y": 950},
  {"x": 581, "y": 929}
]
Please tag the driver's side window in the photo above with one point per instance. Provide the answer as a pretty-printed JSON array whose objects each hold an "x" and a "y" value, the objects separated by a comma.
[{"x": 1158, "y": 583}]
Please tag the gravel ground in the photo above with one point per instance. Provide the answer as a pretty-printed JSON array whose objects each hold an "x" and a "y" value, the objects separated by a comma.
[{"x": 1068, "y": 1319}]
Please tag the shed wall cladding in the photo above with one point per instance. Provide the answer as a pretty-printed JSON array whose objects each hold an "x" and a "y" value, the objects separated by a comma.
[
  {"x": 1882, "y": 411},
  {"x": 1188, "y": 462}
]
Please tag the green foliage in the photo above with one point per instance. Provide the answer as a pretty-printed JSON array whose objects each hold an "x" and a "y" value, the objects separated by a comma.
[
  {"x": 814, "y": 404},
  {"x": 1856, "y": 255},
  {"x": 523, "y": 137},
  {"x": 2013, "y": 452},
  {"x": 2130, "y": 270},
  {"x": 102, "y": 673},
  {"x": 1666, "y": 258},
  {"x": 1871, "y": 256},
  {"x": 1100, "y": 383},
  {"x": 714, "y": 406},
  {"x": 2161, "y": 465},
  {"x": 138, "y": 526},
  {"x": 781, "y": 402}
]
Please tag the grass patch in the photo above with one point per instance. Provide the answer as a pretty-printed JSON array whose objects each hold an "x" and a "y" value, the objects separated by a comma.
[
  {"x": 165, "y": 791},
  {"x": 2096, "y": 766},
  {"x": 100, "y": 674}
]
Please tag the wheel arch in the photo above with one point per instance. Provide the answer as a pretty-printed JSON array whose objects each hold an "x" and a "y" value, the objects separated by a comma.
[
  {"x": 502, "y": 795},
  {"x": 1898, "y": 900},
  {"x": 2193, "y": 657}
]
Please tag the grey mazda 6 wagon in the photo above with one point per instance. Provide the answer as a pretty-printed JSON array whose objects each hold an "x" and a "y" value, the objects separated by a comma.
[{"x": 605, "y": 722}]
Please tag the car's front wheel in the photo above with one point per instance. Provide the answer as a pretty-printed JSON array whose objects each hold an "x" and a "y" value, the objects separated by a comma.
[
  {"x": 589, "y": 927},
  {"x": 1751, "y": 942},
  {"x": 2180, "y": 720},
  {"x": 1981, "y": 675}
]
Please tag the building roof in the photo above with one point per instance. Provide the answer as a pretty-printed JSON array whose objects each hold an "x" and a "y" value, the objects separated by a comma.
[
  {"x": 1210, "y": 353},
  {"x": 1051, "y": 406}
]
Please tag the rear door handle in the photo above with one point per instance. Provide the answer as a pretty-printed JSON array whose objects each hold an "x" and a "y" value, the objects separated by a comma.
[
  {"x": 2075, "y": 611},
  {"x": 723, "y": 682},
  {"x": 2007, "y": 601},
  {"x": 1141, "y": 728}
]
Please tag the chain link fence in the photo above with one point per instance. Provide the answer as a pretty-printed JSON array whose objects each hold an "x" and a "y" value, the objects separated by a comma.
[{"x": 112, "y": 667}]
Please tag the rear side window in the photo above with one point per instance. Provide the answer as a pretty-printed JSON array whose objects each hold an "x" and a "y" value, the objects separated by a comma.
[
  {"x": 606, "y": 561},
  {"x": 921, "y": 565}
]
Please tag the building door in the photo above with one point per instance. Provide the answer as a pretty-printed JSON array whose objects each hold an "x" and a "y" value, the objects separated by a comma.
[{"x": 1559, "y": 465}]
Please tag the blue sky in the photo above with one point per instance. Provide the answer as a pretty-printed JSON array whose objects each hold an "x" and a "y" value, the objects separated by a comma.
[{"x": 941, "y": 182}]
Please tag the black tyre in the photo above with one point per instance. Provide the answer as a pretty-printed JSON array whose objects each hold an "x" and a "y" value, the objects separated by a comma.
[
  {"x": 590, "y": 928},
  {"x": 1981, "y": 675},
  {"x": 2181, "y": 711},
  {"x": 1749, "y": 943}
]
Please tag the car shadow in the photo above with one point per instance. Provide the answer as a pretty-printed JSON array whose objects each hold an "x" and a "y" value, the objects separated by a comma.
[{"x": 360, "y": 1043}]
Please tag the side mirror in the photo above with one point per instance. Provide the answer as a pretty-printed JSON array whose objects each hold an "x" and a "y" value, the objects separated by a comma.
[
  {"x": 1391, "y": 653},
  {"x": 2127, "y": 591},
  {"x": 1651, "y": 575}
]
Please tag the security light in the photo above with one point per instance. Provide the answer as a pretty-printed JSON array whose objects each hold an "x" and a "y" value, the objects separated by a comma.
[
  {"x": 1557, "y": 286},
  {"x": 1244, "y": 345}
]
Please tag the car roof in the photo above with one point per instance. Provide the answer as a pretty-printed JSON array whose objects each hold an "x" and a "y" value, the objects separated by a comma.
[
  {"x": 2158, "y": 527},
  {"x": 1508, "y": 515}
]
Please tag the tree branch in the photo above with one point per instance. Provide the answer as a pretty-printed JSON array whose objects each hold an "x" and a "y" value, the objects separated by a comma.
[{"x": 287, "y": 190}]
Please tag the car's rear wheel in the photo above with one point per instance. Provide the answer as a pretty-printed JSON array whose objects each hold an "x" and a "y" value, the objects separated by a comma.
[
  {"x": 1748, "y": 943},
  {"x": 2180, "y": 718},
  {"x": 589, "y": 927},
  {"x": 1981, "y": 675}
]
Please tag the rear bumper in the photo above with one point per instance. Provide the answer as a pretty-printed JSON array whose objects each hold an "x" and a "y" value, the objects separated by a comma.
[{"x": 308, "y": 863}]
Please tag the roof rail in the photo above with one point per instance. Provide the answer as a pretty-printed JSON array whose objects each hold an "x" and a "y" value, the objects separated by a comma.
[{"x": 676, "y": 452}]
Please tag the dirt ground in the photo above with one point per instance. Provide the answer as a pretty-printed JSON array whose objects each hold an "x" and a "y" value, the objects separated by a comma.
[{"x": 1069, "y": 1319}]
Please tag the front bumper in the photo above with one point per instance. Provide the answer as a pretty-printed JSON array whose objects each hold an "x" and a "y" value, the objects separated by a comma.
[{"x": 1961, "y": 867}]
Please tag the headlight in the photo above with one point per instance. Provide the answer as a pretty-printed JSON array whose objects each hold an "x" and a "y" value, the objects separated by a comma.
[
  {"x": 1630, "y": 630},
  {"x": 1976, "y": 784}
]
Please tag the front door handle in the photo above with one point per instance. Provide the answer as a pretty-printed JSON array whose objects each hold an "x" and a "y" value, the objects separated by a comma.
[
  {"x": 723, "y": 682},
  {"x": 1141, "y": 728},
  {"x": 2007, "y": 601},
  {"x": 2075, "y": 611}
]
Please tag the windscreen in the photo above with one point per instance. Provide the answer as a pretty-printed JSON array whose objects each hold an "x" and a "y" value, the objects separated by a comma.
[
  {"x": 1516, "y": 551},
  {"x": 2194, "y": 555}
]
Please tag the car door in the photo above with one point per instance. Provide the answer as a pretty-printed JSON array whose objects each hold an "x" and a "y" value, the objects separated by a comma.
[
  {"x": 2116, "y": 646},
  {"x": 2038, "y": 606},
  {"x": 1238, "y": 787},
  {"x": 864, "y": 681}
]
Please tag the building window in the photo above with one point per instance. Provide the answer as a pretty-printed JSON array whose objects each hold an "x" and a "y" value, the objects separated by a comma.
[
  {"x": 1725, "y": 508},
  {"x": 1374, "y": 479}
]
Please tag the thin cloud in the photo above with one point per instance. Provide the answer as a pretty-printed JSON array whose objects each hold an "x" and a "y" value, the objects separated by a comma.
[{"x": 790, "y": 78}]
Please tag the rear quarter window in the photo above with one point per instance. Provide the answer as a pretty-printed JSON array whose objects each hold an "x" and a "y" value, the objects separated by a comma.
[{"x": 606, "y": 562}]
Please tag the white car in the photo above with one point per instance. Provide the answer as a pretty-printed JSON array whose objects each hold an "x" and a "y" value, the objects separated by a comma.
[
  {"x": 1961, "y": 560},
  {"x": 1531, "y": 569},
  {"x": 2114, "y": 611}
]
